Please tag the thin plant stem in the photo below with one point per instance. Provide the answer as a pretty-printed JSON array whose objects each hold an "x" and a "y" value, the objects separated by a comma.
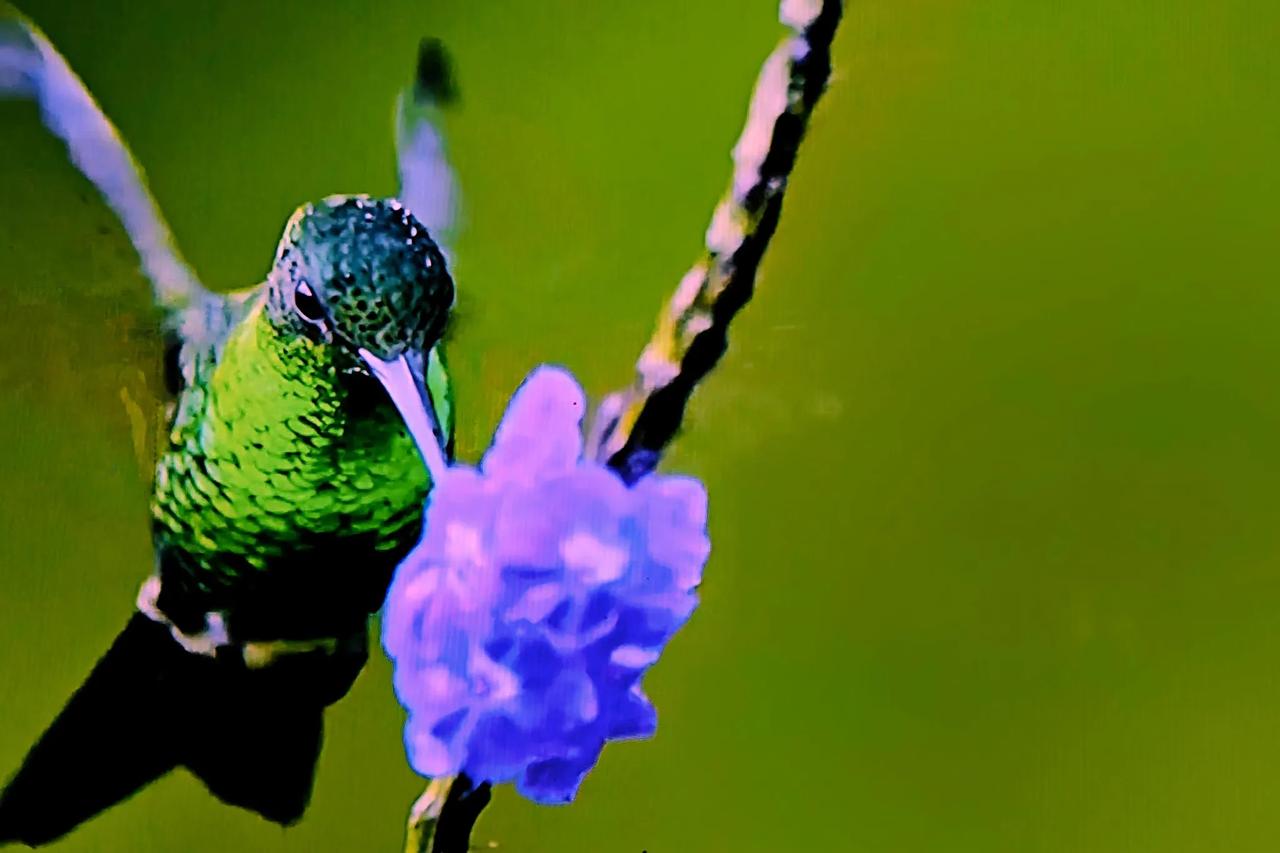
[{"x": 633, "y": 426}]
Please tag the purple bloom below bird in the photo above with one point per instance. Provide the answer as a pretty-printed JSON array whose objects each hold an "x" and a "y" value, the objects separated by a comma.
[{"x": 542, "y": 590}]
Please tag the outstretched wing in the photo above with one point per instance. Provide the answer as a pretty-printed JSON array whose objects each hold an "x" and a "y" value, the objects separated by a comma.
[
  {"x": 192, "y": 317},
  {"x": 428, "y": 185},
  {"x": 31, "y": 68}
]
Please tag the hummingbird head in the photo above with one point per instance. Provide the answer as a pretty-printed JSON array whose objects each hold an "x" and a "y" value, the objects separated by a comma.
[
  {"x": 360, "y": 273},
  {"x": 363, "y": 278}
]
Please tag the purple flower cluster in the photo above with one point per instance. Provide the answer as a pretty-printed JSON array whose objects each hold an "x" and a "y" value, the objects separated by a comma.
[{"x": 541, "y": 592}]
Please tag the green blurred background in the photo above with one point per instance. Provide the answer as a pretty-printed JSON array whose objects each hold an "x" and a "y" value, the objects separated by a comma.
[{"x": 992, "y": 458}]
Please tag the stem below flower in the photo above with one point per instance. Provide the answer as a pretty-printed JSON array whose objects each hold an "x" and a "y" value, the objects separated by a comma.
[
  {"x": 425, "y": 814},
  {"x": 441, "y": 819}
]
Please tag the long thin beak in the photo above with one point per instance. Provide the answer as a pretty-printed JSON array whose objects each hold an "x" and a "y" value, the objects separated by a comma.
[{"x": 408, "y": 390}]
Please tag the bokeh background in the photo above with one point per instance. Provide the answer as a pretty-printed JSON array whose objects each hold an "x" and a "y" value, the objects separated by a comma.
[{"x": 993, "y": 456}]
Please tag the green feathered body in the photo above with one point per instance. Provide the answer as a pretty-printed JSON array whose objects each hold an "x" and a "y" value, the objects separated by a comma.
[{"x": 284, "y": 499}]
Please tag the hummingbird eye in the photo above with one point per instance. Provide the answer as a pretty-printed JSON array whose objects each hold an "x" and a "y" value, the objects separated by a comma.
[{"x": 306, "y": 304}]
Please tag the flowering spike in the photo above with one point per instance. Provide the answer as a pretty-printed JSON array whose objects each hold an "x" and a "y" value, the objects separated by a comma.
[{"x": 543, "y": 590}]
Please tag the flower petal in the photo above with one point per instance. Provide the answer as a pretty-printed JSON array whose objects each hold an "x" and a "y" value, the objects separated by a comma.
[{"x": 541, "y": 431}]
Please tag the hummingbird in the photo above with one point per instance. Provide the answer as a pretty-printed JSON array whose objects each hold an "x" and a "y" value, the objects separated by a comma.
[{"x": 306, "y": 417}]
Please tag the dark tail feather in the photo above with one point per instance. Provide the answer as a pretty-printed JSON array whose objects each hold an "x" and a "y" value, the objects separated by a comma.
[
  {"x": 111, "y": 739},
  {"x": 149, "y": 706},
  {"x": 261, "y": 759}
]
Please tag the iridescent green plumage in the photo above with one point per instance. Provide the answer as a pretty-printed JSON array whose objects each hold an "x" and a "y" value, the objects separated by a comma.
[{"x": 265, "y": 451}]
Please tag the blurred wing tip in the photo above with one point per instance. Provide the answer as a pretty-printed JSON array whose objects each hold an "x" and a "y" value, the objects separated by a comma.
[
  {"x": 434, "y": 81},
  {"x": 19, "y": 55}
]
